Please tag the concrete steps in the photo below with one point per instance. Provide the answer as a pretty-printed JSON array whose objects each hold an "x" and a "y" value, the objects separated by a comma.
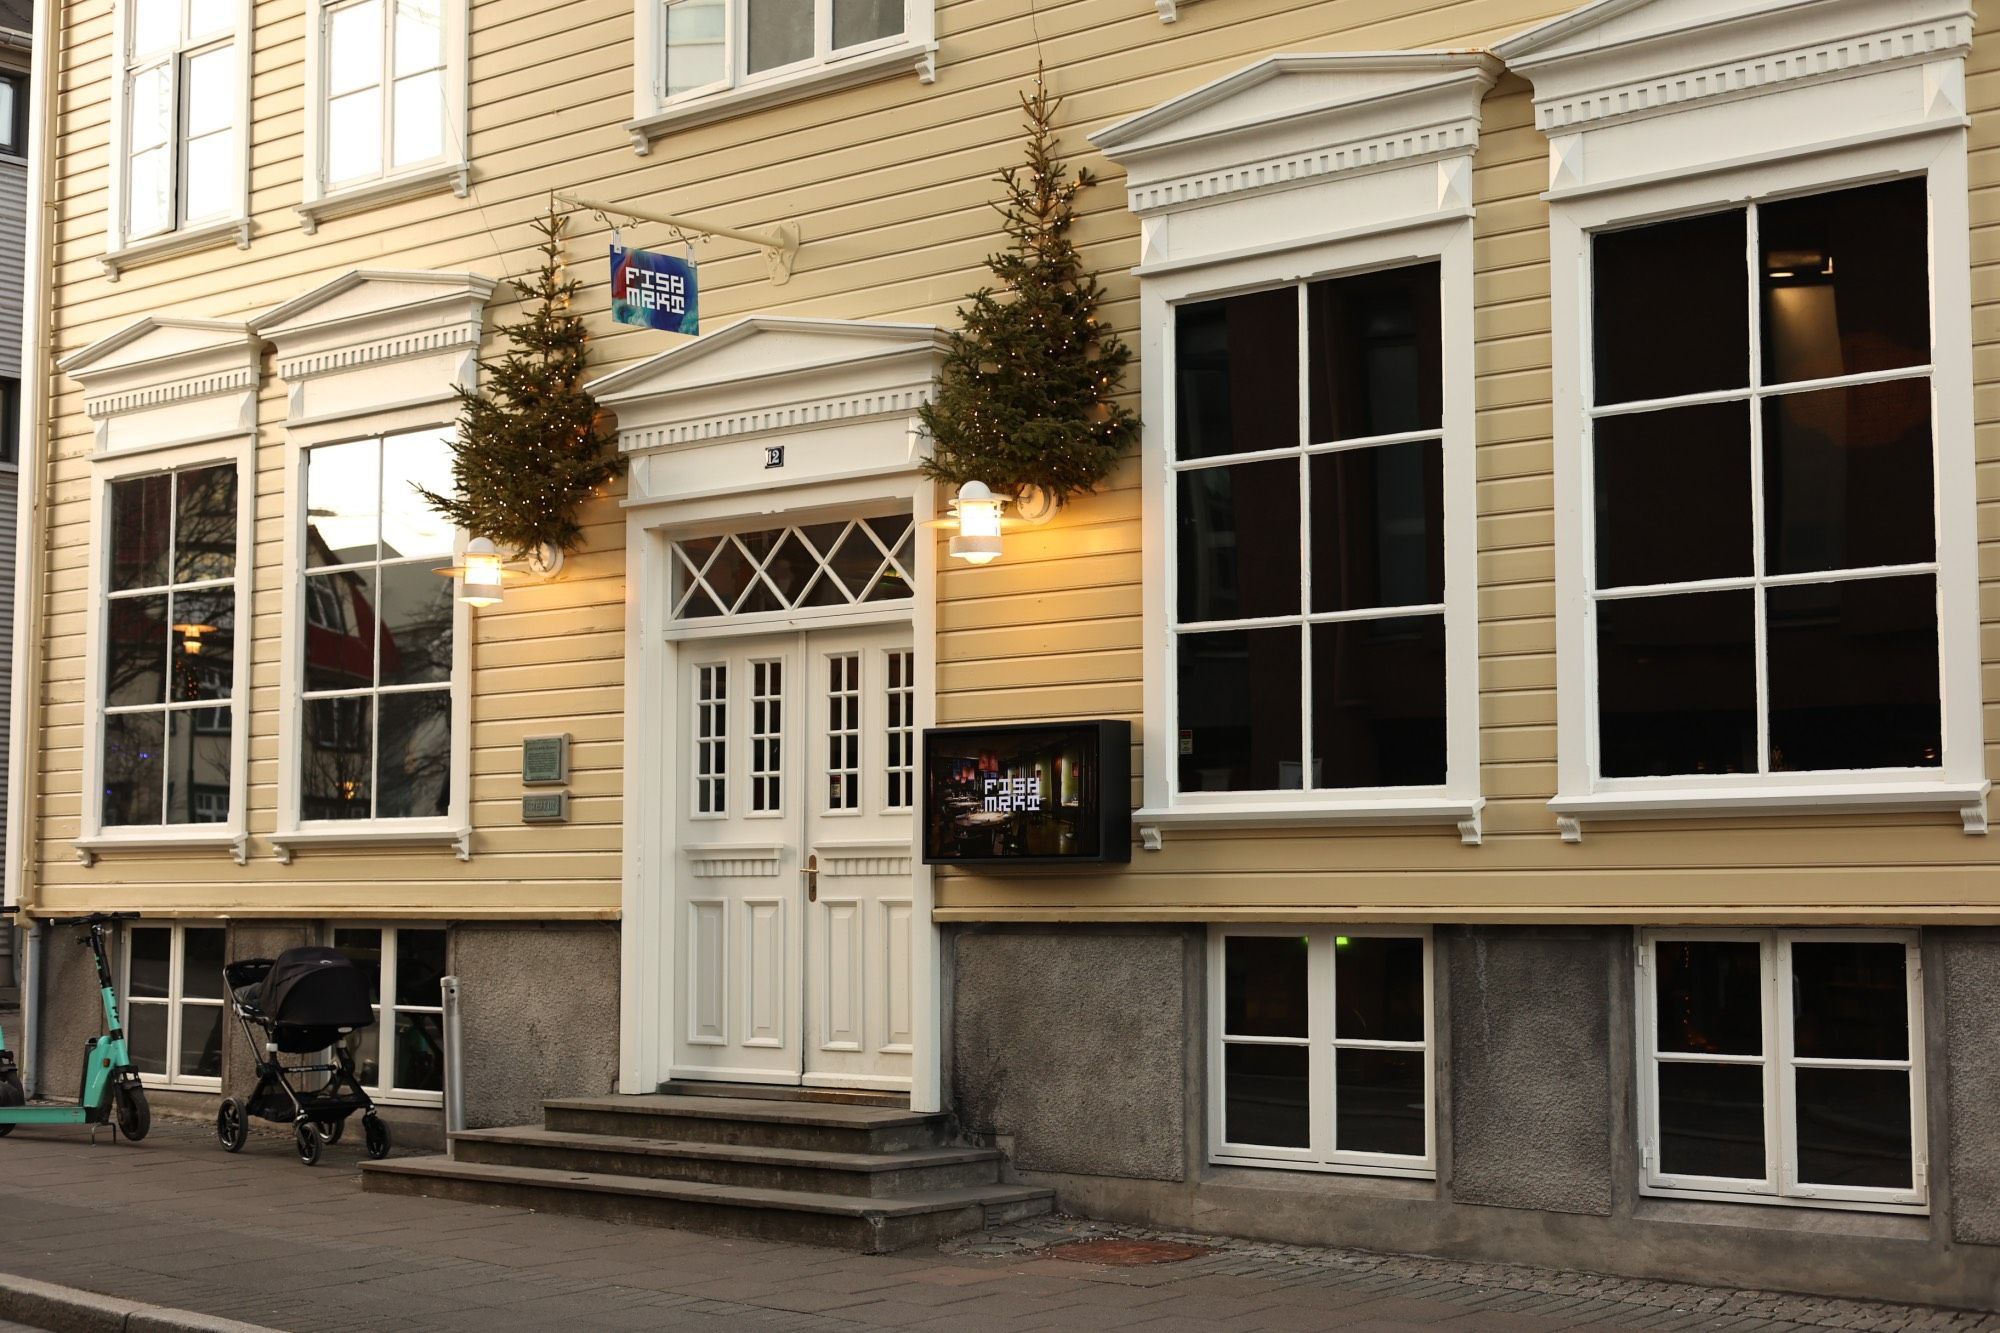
[{"x": 853, "y": 1175}]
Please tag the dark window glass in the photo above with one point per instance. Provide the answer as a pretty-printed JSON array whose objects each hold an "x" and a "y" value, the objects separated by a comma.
[
  {"x": 1846, "y": 280},
  {"x": 1712, "y": 1120},
  {"x": 1238, "y": 541},
  {"x": 1709, "y": 997},
  {"x": 1379, "y": 702},
  {"x": 413, "y": 779},
  {"x": 149, "y": 962},
  {"x": 416, "y": 625},
  {"x": 1377, "y": 365},
  {"x": 334, "y": 770},
  {"x": 1239, "y": 709},
  {"x": 419, "y": 1052},
  {"x": 202, "y": 950},
  {"x": 1672, "y": 495},
  {"x": 1850, "y": 1001},
  {"x": 201, "y": 1040},
  {"x": 1854, "y": 1127},
  {"x": 205, "y": 523},
  {"x": 1377, "y": 527},
  {"x": 1236, "y": 374},
  {"x": 1266, "y": 1098},
  {"x": 365, "y": 1046},
  {"x": 1379, "y": 1101},
  {"x": 141, "y": 531},
  {"x": 1671, "y": 308},
  {"x": 10, "y": 419},
  {"x": 146, "y": 1037},
  {"x": 363, "y": 948},
  {"x": 201, "y": 651},
  {"x": 1847, "y": 478},
  {"x": 1378, "y": 985},
  {"x": 1264, "y": 986},
  {"x": 1854, "y": 674},
  {"x": 137, "y": 657},
  {"x": 134, "y": 754},
  {"x": 339, "y": 630},
  {"x": 1677, "y": 685},
  {"x": 197, "y": 766},
  {"x": 419, "y": 966}
]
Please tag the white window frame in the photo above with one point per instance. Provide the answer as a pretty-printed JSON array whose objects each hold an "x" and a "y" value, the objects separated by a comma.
[
  {"x": 174, "y": 1001},
  {"x": 322, "y": 199},
  {"x": 1781, "y": 1186},
  {"x": 1448, "y": 243},
  {"x": 654, "y": 112},
  {"x": 386, "y": 1093},
  {"x": 1322, "y": 1156},
  {"x": 233, "y": 833},
  {"x": 121, "y": 248}
]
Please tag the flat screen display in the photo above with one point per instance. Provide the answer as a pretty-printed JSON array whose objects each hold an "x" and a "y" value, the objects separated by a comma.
[{"x": 1039, "y": 793}]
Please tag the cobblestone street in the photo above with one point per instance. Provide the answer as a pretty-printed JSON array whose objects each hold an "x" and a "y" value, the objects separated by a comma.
[{"x": 257, "y": 1237}]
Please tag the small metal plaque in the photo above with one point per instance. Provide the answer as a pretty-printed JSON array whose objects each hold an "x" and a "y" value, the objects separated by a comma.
[
  {"x": 545, "y": 807},
  {"x": 774, "y": 455},
  {"x": 544, "y": 760}
]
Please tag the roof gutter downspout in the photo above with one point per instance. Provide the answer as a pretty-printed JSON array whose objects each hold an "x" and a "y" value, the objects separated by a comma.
[{"x": 37, "y": 324}]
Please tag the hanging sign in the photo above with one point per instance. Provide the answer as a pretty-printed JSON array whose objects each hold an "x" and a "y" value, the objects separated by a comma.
[
  {"x": 652, "y": 290},
  {"x": 1036, "y": 794}
]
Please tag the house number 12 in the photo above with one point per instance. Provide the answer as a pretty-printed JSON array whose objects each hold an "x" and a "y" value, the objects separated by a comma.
[{"x": 774, "y": 455}]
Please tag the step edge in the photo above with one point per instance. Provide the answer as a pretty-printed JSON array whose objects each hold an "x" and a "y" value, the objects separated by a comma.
[
  {"x": 814, "y": 1114},
  {"x": 899, "y": 1159}
]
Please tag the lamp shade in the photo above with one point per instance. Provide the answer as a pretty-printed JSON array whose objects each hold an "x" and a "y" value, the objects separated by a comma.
[
  {"x": 978, "y": 510},
  {"x": 480, "y": 584}
]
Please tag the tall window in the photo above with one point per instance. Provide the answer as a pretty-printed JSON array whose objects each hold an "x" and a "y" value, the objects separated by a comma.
[
  {"x": 13, "y": 113},
  {"x": 386, "y": 108},
  {"x": 1320, "y": 1042},
  {"x": 1787, "y": 1064},
  {"x": 1308, "y": 617},
  {"x": 170, "y": 640},
  {"x": 173, "y": 1002},
  {"x": 182, "y": 89},
  {"x": 378, "y": 631},
  {"x": 403, "y": 1054},
  {"x": 1764, "y": 558},
  {"x": 712, "y": 44},
  {"x": 10, "y": 419}
]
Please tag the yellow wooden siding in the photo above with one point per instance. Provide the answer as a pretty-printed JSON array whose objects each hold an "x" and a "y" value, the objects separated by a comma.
[{"x": 891, "y": 183}]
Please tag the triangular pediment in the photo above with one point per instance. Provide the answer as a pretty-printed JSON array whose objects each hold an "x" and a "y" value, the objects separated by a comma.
[
  {"x": 374, "y": 296},
  {"x": 1753, "y": 29},
  {"x": 763, "y": 349},
  {"x": 163, "y": 344},
  {"x": 1288, "y": 88}
]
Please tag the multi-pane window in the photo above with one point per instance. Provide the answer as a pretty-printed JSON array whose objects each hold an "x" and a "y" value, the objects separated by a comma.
[
  {"x": 13, "y": 112},
  {"x": 10, "y": 419},
  {"x": 901, "y": 763},
  {"x": 1321, "y": 1048},
  {"x": 711, "y": 731},
  {"x": 181, "y": 94},
  {"x": 173, "y": 1001},
  {"x": 170, "y": 639},
  {"x": 385, "y": 102},
  {"x": 1308, "y": 610},
  {"x": 1783, "y": 1063},
  {"x": 403, "y": 1054},
  {"x": 1764, "y": 550},
  {"x": 377, "y": 637},
  {"x": 841, "y": 563},
  {"x": 843, "y": 731},
  {"x": 712, "y": 44},
  {"x": 767, "y": 736}
]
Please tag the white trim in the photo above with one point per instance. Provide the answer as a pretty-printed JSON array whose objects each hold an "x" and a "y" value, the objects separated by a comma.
[
  {"x": 175, "y": 1000},
  {"x": 1780, "y": 1064},
  {"x": 455, "y": 176},
  {"x": 1320, "y": 1040}
]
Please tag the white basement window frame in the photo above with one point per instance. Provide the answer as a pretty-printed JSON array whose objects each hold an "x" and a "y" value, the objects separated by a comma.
[
  {"x": 1684, "y": 114},
  {"x": 728, "y": 66},
  {"x": 179, "y": 1000},
  {"x": 397, "y": 68},
  {"x": 1338, "y": 1033},
  {"x": 399, "y": 970},
  {"x": 1767, "y": 1054},
  {"x": 180, "y": 177}
]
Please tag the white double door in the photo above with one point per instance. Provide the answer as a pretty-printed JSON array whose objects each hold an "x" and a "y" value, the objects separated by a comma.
[{"x": 797, "y": 783}]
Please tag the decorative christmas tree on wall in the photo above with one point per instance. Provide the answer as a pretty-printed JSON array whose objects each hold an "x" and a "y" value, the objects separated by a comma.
[
  {"x": 532, "y": 446},
  {"x": 1030, "y": 375}
]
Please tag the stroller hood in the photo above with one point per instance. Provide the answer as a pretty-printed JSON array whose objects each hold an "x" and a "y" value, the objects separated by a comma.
[{"x": 317, "y": 988}]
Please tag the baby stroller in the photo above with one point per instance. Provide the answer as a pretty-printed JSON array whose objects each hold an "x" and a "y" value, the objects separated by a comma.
[{"x": 305, "y": 1002}]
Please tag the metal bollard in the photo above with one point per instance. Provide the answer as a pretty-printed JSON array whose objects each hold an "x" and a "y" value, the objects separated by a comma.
[{"x": 454, "y": 1067}]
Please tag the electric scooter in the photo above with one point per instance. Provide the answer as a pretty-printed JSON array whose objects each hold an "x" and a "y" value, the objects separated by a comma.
[{"x": 110, "y": 1091}]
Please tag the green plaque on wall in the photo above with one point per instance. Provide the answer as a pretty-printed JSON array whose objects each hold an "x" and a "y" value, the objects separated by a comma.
[
  {"x": 545, "y": 807},
  {"x": 544, "y": 760}
]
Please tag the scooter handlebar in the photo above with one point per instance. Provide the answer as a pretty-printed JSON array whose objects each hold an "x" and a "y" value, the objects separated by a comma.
[{"x": 94, "y": 919}]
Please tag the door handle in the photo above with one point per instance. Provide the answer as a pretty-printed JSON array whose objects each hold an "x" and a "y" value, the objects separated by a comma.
[{"x": 811, "y": 872}]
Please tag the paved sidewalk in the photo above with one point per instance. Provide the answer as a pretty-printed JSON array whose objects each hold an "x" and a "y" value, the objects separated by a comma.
[{"x": 260, "y": 1238}]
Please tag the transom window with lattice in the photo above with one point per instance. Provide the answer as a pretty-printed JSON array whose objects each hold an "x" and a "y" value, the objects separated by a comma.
[{"x": 845, "y": 562}]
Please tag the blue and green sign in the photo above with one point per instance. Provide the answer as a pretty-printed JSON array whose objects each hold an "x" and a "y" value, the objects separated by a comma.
[{"x": 654, "y": 291}]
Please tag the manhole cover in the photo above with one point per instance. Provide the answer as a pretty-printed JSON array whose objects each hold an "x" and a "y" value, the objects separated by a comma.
[{"x": 1126, "y": 1253}]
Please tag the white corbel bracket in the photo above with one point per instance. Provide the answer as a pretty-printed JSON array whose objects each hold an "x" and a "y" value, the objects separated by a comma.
[
  {"x": 1150, "y": 838},
  {"x": 1570, "y": 827}
]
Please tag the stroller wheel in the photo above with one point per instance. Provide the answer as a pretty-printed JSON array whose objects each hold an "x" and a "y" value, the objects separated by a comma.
[
  {"x": 231, "y": 1130},
  {"x": 377, "y": 1135},
  {"x": 135, "y": 1117},
  {"x": 330, "y": 1130},
  {"x": 308, "y": 1139}
]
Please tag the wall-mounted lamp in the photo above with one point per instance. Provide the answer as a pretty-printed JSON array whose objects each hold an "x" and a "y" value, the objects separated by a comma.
[
  {"x": 191, "y": 637},
  {"x": 978, "y": 512},
  {"x": 481, "y": 573}
]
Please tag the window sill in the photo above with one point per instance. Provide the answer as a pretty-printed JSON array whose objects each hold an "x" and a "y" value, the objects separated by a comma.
[
  {"x": 1463, "y": 812},
  {"x": 117, "y": 260},
  {"x": 370, "y": 835},
  {"x": 409, "y": 185},
  {"x": 922, "y": 55},
  {"x": 198, "y": 839},
  {"x": 1968, "y": 799}
]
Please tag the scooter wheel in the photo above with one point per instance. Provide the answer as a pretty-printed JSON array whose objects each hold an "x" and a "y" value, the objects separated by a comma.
[
  {"x": 308, "y": 1140},
  {"x": 135, "y": 1118},
  {"x": 330, "y": 1130},
  {"x": 231, "y": 1129},
  {"x": 376, "y": 1133}
]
